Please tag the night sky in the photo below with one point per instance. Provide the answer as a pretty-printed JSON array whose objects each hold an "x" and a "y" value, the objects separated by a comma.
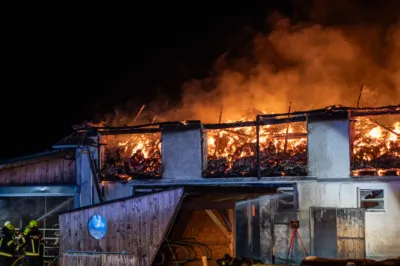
[{"x": 66, "y": 64}]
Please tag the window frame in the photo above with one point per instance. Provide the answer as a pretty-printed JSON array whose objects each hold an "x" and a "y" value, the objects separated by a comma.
[{"x": 372, "y": 187}]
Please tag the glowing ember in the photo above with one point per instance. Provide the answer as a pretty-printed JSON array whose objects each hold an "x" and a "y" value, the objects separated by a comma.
[
  {"x": 137, "y": 155},
  {"x": 376, "y": 149},
  {"x": 232, "y": 152}
]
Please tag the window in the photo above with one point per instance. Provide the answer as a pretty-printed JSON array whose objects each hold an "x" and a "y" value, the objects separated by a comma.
[
  {"x": 372, "y": 199},
  {"x": 284, "y": 200}
]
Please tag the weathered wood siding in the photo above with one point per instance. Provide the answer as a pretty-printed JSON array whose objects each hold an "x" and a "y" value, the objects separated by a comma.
[
  {"x": 136, "y": 225},
  {"x": 338, "y": 232},
  {"x": 97, "y": 260},
  {"x": 52, "y": 171},
  {"x": 351, "y": 233}
]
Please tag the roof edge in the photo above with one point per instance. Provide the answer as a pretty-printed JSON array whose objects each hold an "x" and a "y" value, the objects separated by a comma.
[{"x": 23, "y": 160}]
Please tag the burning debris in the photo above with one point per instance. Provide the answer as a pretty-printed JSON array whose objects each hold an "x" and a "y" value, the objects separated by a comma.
[
  {"x": 136, "y": 156},
  {"x": 233, "y": 152},
  {"x": 376, "y": 148}
]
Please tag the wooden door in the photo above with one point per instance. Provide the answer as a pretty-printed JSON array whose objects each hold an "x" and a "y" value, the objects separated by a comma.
[
  {"x": 338, "y": 232},
  {"x": 350, "y": 233}
]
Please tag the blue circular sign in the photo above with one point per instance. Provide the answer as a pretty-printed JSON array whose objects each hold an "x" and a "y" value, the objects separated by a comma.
[{"x": 97, "y": 227}]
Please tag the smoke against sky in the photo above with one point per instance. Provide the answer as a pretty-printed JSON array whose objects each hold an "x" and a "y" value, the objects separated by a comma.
[{"x": 311, "y": 64}]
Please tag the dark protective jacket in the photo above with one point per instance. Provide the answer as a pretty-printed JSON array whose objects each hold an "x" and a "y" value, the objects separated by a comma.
[
  {"x": 33, "y": 242},
  {"x": 7, "y": 244}
]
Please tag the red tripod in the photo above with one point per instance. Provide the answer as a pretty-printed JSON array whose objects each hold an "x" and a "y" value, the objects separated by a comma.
[{"x": 294, "y": 225}]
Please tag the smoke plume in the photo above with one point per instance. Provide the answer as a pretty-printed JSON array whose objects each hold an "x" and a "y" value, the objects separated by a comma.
[{"x": 311, "y": 64}]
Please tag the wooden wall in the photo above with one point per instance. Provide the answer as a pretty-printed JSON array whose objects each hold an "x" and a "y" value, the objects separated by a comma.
[
  {"x": 351, "y": 233},
  {"x": 50, "y": 171},
  {"x": 97, "y": 260},
  {"x": 135, "y": 225},
  {"x": 338, "y": 232}
]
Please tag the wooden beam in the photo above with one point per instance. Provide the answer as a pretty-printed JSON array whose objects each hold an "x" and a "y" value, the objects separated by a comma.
[
  {"x": 225, "y": 218},
  {"x": 204, "y": 205},
  {"x": 223, "y": 190},
  {"x": 233, "y": 197},
  {"x": 249, "y": 224},
  {"x": 218, "y": 223},
  {"x": 232, "y": 218}
]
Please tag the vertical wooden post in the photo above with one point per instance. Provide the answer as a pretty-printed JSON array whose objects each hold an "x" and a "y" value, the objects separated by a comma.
[
  {"x": 258, "y": 147},
  {"x": 232, "y": 245},
  {"x": 249, "y": 227}
]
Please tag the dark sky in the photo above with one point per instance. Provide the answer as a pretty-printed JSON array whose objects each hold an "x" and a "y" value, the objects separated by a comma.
[{"x": 67, "y": 64}]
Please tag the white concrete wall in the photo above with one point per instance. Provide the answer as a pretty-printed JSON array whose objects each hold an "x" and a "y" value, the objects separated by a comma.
[
  {"x": 382, "y": 230},
  {"x": 182, "y": 154},
  {"x": 329, "y": 148}
]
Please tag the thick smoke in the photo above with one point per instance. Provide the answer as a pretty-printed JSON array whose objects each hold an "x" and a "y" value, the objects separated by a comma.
[{"x": 312, "y": 65}]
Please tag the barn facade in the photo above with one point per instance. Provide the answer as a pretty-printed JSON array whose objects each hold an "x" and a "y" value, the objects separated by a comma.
[
  {"x": 245, "y": 204},
  {"x": 343, "y": 212}
]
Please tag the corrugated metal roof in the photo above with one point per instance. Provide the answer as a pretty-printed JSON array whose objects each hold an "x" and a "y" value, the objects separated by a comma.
[{"x": 12, "y": 161}]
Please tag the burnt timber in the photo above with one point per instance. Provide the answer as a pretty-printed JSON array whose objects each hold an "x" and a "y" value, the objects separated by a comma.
[{"x": 265, "y": 119}]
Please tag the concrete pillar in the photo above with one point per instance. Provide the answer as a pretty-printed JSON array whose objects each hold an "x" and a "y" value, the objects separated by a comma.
[
  {"x": 329, "y": 145},
  {"x": 184, "y": 150}
]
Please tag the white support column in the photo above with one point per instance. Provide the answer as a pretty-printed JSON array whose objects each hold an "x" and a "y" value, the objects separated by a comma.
[
  {"x": 329, "y": 145},
  {"x": 183, "y": 151}
]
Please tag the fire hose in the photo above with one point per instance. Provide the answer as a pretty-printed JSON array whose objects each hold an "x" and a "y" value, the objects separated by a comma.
[
  {"x": 184, "y": 245},
  {"x": 177, "y": 261},
  {"x": 17, "y": 260},
  {"x": 205, "y": 249}
]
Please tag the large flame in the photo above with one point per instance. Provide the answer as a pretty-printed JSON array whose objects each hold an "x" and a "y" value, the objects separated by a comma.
[
  {"x": 232, "y": 152},
  {"x": 376, "y": 148},
  {"x": 313, "y": 66},
  {"x": 132, "y": 156}
]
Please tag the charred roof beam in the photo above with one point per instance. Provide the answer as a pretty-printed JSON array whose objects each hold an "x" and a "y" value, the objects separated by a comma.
[{"x": 266, "y": 119}]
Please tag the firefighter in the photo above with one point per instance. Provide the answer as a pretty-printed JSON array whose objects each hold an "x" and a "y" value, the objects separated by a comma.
[
  {"x": 32, "y": 239},
  {"x": 7, "y": 244}
]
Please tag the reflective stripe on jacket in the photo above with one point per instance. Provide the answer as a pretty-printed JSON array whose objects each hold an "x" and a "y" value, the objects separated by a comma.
[
  {"x": 7, "y": 245},
  {"x": 33, "y": 241}
]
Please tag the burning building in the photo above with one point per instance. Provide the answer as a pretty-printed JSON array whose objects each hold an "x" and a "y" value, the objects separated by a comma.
[
  {"x": 215, "y": 189},
  {"x": 335, "y": 170}
]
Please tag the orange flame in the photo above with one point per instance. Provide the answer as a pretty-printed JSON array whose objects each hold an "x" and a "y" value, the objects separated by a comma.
[{"x": 234, "y": 149}]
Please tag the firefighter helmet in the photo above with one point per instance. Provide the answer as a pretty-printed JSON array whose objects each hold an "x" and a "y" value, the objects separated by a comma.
[
  {"x": 33, "y": 224},
  {"x": 9, "y": 226},
  {"x": 26, "y": 231}
]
